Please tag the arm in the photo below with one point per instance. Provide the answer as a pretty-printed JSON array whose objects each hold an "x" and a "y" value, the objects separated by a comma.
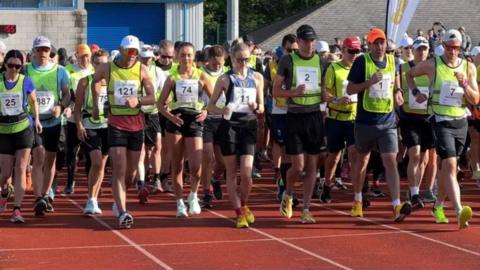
[
  {"x": 470, "y": 85},
  {"x": 398, "y": 92},
  {"x": 260, "y": 107},
  {"x": 149, "y": 98},
  {"x": 101, "y": 73},
  {"x": 279, "y": 92},
  {"x": 80, "y": 93},
  {"x": 220, "y": 86},
  {"x": 208, "y": 88},
  {"x": 422, "y": 68},
  {"x": 162, "y": 103},
  {"x": 33, "y": 102}
]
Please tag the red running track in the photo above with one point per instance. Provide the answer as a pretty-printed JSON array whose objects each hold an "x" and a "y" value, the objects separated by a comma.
[{"x": 68, "y": 240}]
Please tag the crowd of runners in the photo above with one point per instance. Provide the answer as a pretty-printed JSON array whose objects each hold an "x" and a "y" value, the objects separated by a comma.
[{"x": 155, "y": 115}]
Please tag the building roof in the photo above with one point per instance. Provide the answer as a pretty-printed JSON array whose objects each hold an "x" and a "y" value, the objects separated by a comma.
[{"x": 341, "y": 18}]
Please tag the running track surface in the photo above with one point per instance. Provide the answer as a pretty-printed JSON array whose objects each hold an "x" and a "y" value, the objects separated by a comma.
[{"x": 158, "y": 240}]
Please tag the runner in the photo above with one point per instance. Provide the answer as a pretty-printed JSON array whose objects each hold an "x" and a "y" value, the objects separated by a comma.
[
  {"x": 243, "y": 89},
  {"x": 127, "y": 79},
  {"x": 16, "y": 132},
  {"x": 185, "y": 125},
  {"x": 372, "y": 78},
  {"x": 298, "y": 79},
  {"x": 474, "y": 128},
  {"x": 454, "y": 83}
]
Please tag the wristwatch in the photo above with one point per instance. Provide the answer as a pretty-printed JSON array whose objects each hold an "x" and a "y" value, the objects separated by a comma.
[{"x": 415, "y": 91}]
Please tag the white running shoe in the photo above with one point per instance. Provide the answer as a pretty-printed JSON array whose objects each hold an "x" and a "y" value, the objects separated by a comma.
[
  {"x": 193, "y": 204},
  {"x": 89, "y": 207},
  {"x": 181, "y": 209},
  {"x": 125, "y": 221},
  {"x": 96, "y": 208}
]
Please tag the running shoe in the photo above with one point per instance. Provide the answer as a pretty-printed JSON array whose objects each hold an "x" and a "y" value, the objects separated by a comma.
[
  {"x": 96, "y": 208},
  {"x": 40, "y": 206},
  {"x": 181, "y": 210},
  {"x": 248, "y": 215},
  {"x": 326, "y": 196},
  {"x": 140, "y": 184},
  {"x": 143, "y": 195},
  {"x": 217, "y": 188},
  {"x": 242, "y": 221},
  {"x": 125, "y": 221},
  {"x": 88, "y": 210},
  {"x": 207, "y": 201},
  {"x": 165, "y": 186},
  {"x": 339, "y": 185},
  {"x": 439, "y": 215},
  {"x": 402, "y": 210},
  {"x": 256, "y": 173},
  {"x": 17, "y": 217},
  {"x": 307, "y": 217},
  {"x": 429, "y": 197},
  {"x": 49, "y": 201},
  {"x": 376, "y": 192},
  {"x": 10, "y": 190},
  {"x": 465, "y": 215},
  {"x": 417, "y": 202},
  {"x": 193, "y": 204},
  {"x": 69, "y": 188},
  {"x": 157, "y": 186},
  {"x": 357, "y": 210},
  {"x": 286, "y": 206}
]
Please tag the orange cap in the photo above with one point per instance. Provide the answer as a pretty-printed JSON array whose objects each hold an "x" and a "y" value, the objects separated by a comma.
[
  {"x": 374, "y": 34},
  {"x": 83, "y": 49}
]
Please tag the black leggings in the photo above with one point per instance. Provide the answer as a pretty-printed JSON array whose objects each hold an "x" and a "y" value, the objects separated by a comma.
[{"x": 73, "y": 144}]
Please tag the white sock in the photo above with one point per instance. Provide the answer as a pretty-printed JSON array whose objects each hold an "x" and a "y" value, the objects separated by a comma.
[
  {"x": 192, "y": 195},
  {"x": 358, "y": 196},
  {"x": 180, "y": 202},
  {"x": 395, "y": 203},
  {"x": 414, "y": 190}
]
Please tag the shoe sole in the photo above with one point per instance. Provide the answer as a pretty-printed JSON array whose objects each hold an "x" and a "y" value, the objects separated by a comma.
[
  {"x": 126, "y": 224},
  {"x": 40, "y": 209},
  {"x": 464, "y": 218},
  {"x": 404, "y": 212}
]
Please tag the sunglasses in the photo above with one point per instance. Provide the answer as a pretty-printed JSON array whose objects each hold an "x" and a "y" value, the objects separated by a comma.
[
  {"x": 242, "y": 60},
  {"x": 451, "y": 48},
  {"x": 390, "y": 51},
  {"x": 289, "y": 50},
  {"x": 131, "y": 52},
  {"x": 166, "y": 57},
  {"x": 42, "y": 49},
  {"x": 15, "y": 66},
  {"x": 408, "y": 48},
  {"x": 353, "y": 51}
]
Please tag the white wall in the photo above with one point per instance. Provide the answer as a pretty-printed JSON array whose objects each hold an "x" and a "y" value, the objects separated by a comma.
[{"x": 174, "y": 19}]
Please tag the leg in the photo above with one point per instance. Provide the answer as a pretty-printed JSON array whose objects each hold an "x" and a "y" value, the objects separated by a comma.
[
  {"x": 176, "y": 146},
  {"x": 246, "y": 165},
  {"x": 119, "y": 164},
  {"x": 21, "y": 162}
]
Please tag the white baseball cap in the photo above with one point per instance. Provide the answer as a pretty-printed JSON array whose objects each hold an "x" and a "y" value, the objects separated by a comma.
[
  {"x": 130, "y": 42},
  {"x": 420, "y": 42},
  {"x": 406, "y": 42},
  {"x": 452, "y": 34},
  {"x": 146, "y": 51},
  {"x": 439, "y": 50},
  {"x": 42, "y": 41},
  {"x": 475, "y": 51},
  {"x": 3, "y": 47},
  {"x": 322, "y": 46}
]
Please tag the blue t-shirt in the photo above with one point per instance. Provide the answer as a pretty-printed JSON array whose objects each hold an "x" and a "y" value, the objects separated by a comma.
[
  {"x": 357, "y": 75},
  {"x": 28, "y": 88}
]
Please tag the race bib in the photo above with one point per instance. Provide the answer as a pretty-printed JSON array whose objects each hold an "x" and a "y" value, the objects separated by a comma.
[
  {"x": 46, "y": 101},
  {"x": 412, "y": 103},
  {"x": 451, "y": 94},
  {"x": 353, "y": 98},
  {"x": 11, "y": 104},
  {"x": 381, "y": 90},
  {"x": 124, "y": 90},
  {"x": 186, "y": 91},
  {"x": 102, "y": 98},
  {"x": 309, "y": 77},
  {"x": 243, "y": 96}
]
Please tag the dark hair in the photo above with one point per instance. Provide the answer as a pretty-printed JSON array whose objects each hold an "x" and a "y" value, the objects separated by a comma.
[
  {"x": 177, "y": 45},
  {"x": 288, "y": 38},
  {"x": 185, "y": 44},
  {"x": 62, "y": 56},
  {"x": 200, "y": 56},
  {"x": 215, "y": 51},
  {"x": 12, "y": 54}
]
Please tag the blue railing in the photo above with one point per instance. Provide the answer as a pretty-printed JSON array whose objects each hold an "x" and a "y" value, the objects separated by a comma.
[{"x": 39, "y": 4}]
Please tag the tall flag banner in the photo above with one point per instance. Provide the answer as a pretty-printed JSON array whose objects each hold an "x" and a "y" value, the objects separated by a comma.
[{"x": 399, "y": 16}]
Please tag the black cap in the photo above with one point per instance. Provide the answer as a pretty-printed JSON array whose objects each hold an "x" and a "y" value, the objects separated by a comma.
[{"x": 306, "y": 32}]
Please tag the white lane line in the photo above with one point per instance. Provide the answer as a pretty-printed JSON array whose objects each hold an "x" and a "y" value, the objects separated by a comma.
[
  {"x": 341, "y": 266},
  {"x": 198, "y": 242},
  {"x": 124, "y": 238},
  {"x": 397, "y": 229}
]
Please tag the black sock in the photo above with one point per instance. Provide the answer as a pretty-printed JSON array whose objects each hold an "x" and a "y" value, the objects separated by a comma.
[{"x": 283, "y": 171}]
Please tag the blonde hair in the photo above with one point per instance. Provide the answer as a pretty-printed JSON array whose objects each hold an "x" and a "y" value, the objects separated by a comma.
[{"x": 239, "y": 47}]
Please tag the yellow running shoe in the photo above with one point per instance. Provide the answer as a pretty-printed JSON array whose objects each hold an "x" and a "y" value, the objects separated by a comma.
[
  {"x": 401, "y": 211},
  {"x": 307, "y": 218},
  {"x": 357, "y": 210},
  {"x": 286, "y": 206},
  {"x": 439, "y": 215},
  {"x": 464, "y": 216},
  {"x": 242, "y": 221},
  {"x": 248, "y": 215}
]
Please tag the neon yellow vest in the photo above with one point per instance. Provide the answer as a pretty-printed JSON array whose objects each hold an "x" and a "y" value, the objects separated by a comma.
[
  {"x": 88, "y": 105},
  {"x": 124, "y": 81},
  {"x": 12, "y": 123},
  {"x": 379, "y": 104},
  {"x": 421, "y": 81},
  {"x": 252, "y": 62},
  {"x": 45, "y": 81},
  {"x": 149, "y": 109},
  {"x": 196, "y": 106},
  {"x": 443, "y": 74},
  {"x": 76, "y": 75},
  {"x": 341, "y": 112},
  {"x": 312, "y": 96},
  {"x": 280, "y": 102}
]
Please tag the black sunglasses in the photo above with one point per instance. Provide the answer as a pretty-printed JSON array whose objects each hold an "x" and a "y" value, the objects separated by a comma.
[
  {"x": 14, "y": 66},
  {"x": 166, "y": 57},
  {"x": 353, "y": 51}
]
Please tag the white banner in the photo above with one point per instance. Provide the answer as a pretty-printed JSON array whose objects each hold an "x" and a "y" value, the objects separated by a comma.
[{"x": 399, "y": 15}]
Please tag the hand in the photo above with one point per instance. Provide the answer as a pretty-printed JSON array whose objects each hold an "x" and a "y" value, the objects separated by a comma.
[
  {"x": 399, "y": 98},
  {"x": 260, "y": 111},
  {"x": 420, "y": 98},
  {"x": 201, "y": 116},
  {"x": 252, "y": 105},
  {"x": 462, "y": 78},
  {"x": 38, "y": 126},
  {"x": 177, "y": 120},
  {"x": 226, "y": 110},
  {"x": 67, "y": 112},
  {"x": 344, "y": 100},
  {"x": 132, "y": 102},
  {"x": 81, "y": 133},
  {"x": 300, "y": 90},
  {"x": 56, "y": 111},
  {"x": 377, "y": 76},
  {"x": 95, "y": 113}
]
